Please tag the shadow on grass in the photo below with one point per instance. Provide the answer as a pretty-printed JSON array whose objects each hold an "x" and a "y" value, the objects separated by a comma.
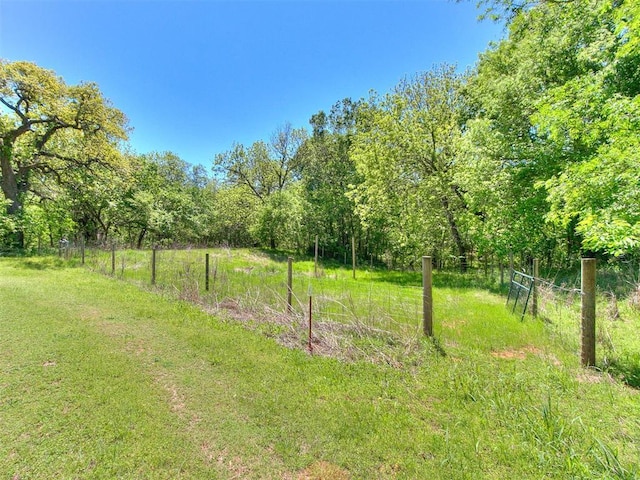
[
  {"x": 437, "y": 346},
  {"x": 473, "y": 279},
  {"x": 626, "y": 369},
  {"x": 42, "y": 263},
  {"x": 281, "y": 256}
]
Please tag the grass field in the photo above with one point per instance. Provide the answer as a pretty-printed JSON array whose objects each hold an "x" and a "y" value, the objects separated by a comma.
[{"x": 102, "y": 379}]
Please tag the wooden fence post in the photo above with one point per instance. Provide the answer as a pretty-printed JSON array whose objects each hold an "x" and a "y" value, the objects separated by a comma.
[
  {"x": 153, "y": 266},
  {"x": 113, "y": 259},
  {"x": 289, "y": 284},
  {"x": 534, "y": 287},
  {"x": 427, "y": 297},
  {"x": 206, "y": 272},
  {"x": 82, "y": 249},
  {"x": 315, "y": 265},
  {"x": 353, "y": 255},
  {"x": 588, "y": 315}
]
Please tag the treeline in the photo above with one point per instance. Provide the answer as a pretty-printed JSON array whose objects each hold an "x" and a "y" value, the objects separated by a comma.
[{"x": 536, "y": 151}]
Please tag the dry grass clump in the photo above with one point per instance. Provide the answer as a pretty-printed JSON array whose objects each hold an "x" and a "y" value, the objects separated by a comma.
[
  {"x": 634, "y": 300},
  {"x": 349, "y": 341},
  {"x": 612, "y": 312},
  {"x": 323, "y": 471}
]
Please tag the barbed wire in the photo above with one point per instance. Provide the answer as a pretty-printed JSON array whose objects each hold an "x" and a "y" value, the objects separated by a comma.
[{"x": 553, "y": 286}]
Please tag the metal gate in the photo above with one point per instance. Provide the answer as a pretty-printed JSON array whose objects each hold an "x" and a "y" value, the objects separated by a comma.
[{"x": 521, "y": 287}]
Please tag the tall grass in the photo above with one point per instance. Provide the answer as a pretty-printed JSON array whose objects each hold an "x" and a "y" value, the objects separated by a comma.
[
  {"x": 377, "y": 303},
  {"x": 101, "y": 379}
]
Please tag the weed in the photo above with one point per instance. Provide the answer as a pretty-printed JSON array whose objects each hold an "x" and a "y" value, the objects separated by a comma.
[
  {"x": 609, "y": 463},
  {"x": 141, "y": 385}
]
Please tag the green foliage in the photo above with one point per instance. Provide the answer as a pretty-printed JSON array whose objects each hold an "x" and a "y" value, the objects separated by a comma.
[
  {"x": 104, "y": 380},
  {"x": 7, "y": 222},
  {"x": 406, "y": 150},
  {"x": 268, "y": 173},
  {"x": 167, "y": 201},
  {"x": 534, "y": 152},
  {"x": 329, "y": 175},
  {"x": 278, "y": 220},
  {"x": 49, "y": 131},
  {"x": 558, "y": 106},
  {"x": 233, "y": 214}
]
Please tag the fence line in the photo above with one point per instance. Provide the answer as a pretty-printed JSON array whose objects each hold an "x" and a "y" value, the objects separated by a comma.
[
  {"x": 254, "y": 284},
  {"x": 336, "y": 297},
  {"x": 530, "y": 284}
]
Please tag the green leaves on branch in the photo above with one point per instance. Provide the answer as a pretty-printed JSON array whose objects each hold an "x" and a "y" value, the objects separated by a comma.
[
  {"x": 49, "y": 131},
  {"x": 558, "y": 104},
  {"x": 406, "y": 150}
]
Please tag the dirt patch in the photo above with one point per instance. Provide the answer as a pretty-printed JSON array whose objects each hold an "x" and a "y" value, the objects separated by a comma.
[
  {"x": 234, "y": 465},
  {"x": 519, "y": 354},
  {"x": 522, "y": 353},
  {"x": 91, "y": 314},
  {"x": 323, "y": 471},
  {"x": 246, "y": 270},
  {"x": 136, "y": 347},
  {"x": 176, "y": 398},
  {"x": 591, "y": 376},
  {"x": 112, "y": 329}
]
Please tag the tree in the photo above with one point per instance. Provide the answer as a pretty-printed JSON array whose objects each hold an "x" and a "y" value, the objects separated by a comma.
[
  {"x": 328, "y": 176},
  {"x": 406, "y": 149},
  {"x": 555, "y": 104},
  {"x": 233, "y": 210},
  {"x": 266, "y": 170},
  {"x": 595, "y": 117},
  {"x": 165, "y": 199},
  {"x": 48, "y": 128},
  {"x": 278, "y": 221}
]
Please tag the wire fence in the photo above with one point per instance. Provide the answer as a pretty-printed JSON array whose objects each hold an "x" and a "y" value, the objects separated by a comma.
[
  {"x": 560, "y": 303},
  {"x": 347, "y": 316}
]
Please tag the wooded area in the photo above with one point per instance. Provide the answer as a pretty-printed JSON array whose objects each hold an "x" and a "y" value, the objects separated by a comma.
[{"x": 534, "y": 151}]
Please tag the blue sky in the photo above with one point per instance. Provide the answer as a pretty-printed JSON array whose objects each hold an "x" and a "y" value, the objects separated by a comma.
[{"x": 195, "y": 76}]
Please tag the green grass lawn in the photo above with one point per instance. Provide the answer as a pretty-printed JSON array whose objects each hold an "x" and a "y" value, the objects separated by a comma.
[{"x": 102, "y": 379}]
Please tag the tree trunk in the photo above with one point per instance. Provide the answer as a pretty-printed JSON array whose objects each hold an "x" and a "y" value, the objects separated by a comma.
[
  {"x": 141, "y": 238},
  {"x": 455, "y": 233},
  {"x": 11, "y": 192}
]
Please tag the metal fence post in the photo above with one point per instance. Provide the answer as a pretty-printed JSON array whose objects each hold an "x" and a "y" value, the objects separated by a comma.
[
  {"x": 534, "y": 287},
  {"x": 206, "y": 272},
  {"x": 153, "y": 266},
  {"x": 289, "y": 284}
]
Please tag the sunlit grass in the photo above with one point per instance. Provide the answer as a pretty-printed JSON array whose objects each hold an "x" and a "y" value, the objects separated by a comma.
[
  {"x": 377, "y": 298},
  {"x": 101, "y": 379}
]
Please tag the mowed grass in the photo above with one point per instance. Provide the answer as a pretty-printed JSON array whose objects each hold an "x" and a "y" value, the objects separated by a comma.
[{"x": 101, "y": 379}]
